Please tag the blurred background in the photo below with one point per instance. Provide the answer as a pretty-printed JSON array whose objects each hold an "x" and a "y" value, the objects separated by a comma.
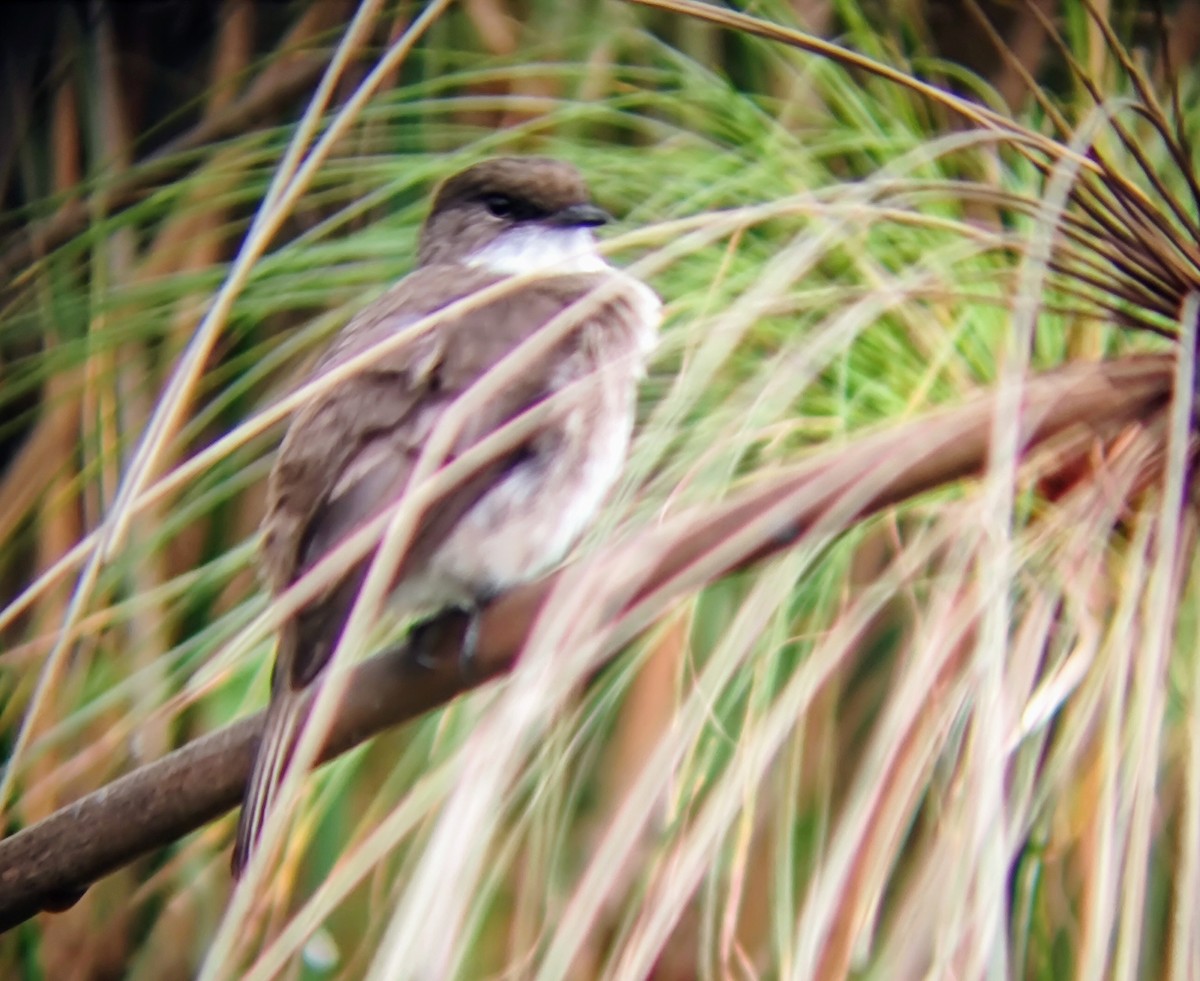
[{"x": 957, "y": 739}]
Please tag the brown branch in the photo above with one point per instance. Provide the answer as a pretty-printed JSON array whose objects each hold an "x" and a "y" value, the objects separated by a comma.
[{"x": 48, "y": 865}]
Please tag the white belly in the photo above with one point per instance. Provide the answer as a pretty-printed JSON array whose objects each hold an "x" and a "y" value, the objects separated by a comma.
[{"x": 528, "y": 522}]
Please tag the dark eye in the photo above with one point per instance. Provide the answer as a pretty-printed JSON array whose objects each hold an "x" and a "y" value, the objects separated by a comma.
[
  {"x": 511, "y": 209},
  {"x": 500, "y": 205}
]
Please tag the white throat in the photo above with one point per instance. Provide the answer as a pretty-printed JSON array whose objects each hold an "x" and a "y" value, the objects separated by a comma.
[{"x": 539, "y": 248}]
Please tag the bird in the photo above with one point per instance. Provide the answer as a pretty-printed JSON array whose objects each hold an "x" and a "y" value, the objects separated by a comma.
[{"x": 348, "y": 454}]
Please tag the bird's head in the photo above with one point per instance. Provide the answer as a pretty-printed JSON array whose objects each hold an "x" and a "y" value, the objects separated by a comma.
[{"x": 514, "y": 215}]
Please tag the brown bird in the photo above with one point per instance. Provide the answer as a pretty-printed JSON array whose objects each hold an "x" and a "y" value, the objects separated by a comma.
[{"x": 349, "y": 455}]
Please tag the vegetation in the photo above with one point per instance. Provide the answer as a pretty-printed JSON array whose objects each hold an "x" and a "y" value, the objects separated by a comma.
[{"x": 957, "y": 738}]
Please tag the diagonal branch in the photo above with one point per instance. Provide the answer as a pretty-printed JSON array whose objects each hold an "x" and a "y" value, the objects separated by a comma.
[{"x": 48, "y": 865}]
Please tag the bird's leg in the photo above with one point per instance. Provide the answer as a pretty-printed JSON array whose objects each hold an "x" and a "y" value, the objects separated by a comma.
[
  {"x": 423, "y": 642},
  {"x": 470, "y": 643},
  {"x": 428, "y": 637}
]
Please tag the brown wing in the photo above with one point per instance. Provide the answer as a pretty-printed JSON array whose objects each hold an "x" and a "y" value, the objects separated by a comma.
[{"x": 350, "y": 456}]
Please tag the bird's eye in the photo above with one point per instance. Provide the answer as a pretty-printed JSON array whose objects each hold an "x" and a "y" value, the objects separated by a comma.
[
  {"x": 511, "y": 208},
  {"x": 500, "y": 205}
]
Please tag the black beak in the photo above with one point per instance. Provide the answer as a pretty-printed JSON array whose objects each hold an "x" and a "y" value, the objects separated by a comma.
[{"x": 580, "y": 216}]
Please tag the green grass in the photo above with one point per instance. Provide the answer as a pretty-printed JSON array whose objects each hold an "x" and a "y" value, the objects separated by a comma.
[{"x": 954, "y": 739}]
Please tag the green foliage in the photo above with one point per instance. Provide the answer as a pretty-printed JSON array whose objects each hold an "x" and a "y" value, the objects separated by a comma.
[{"x": 837, "y": 253}]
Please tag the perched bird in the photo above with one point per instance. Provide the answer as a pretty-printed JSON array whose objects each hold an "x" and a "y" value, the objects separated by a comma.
[{"x": 348, "y": 455}]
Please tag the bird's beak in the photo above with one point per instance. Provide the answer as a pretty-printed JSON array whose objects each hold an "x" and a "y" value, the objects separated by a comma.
[{"x": 580, "y": 216}]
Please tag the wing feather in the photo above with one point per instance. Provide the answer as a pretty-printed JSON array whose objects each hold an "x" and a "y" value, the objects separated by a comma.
[{"x": 350, "y": 454}]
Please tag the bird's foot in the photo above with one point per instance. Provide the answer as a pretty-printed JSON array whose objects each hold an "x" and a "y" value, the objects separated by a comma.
[
  {"x": 470, "y": 645},
  {"x": 457, "y": 628}
]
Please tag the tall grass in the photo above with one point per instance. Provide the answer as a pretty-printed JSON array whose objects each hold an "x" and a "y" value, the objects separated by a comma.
[{"x": 956, "y": 740}]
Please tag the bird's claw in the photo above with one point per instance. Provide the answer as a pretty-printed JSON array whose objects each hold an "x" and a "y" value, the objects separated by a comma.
[{"x": 428, "y": 636}]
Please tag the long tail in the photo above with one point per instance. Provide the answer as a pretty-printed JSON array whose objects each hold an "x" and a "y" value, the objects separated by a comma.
[{"x": 274, "y": 751}]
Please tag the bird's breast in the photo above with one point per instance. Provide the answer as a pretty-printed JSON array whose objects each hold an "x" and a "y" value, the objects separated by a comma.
[{"x": 528, "y": 521}]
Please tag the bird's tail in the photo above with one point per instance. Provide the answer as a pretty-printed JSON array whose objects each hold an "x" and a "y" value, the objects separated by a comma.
[{"x": 274, "y": 751}]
